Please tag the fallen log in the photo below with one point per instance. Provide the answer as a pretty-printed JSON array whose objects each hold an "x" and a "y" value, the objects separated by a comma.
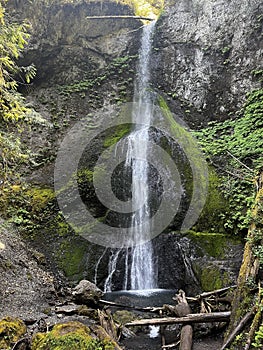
[
  {"x": 108, "y": 324},
  {"x": 190, "y": 318},
  {"x": 121, "y": 17}
]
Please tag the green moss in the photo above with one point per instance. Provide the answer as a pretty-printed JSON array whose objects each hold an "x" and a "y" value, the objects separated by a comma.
[
  {"x": 210, "y": 278},
  {"x": 11, "y": 330},
  {"x": 85, "y": 175},
  {"x": 119, "y": 132},
  {"x": 194, "y": 156},
  {"x": 40, "y": 197},
  {"x": 124, "y": 316},
  {"x": 215, "y": 208},
  {"x": 71, "y": 258},
  {"x": 68, "y": 336},
  {"x": 213, "y": 244}
]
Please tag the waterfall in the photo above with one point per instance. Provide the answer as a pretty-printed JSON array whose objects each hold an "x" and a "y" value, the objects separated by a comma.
[
  {"x": 140, "y": 269},
  {"x": 143, "y": 274}
]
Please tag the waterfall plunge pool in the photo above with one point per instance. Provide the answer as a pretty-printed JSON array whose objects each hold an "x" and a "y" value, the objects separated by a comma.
[{"x": 141, "y": 298}]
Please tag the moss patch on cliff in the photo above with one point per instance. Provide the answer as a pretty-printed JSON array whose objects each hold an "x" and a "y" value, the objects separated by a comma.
[
  {"x": 212, "y": 278},
  {"x": 11, "y": 330},
  {"x": 40, "y": 197},
  {"x": 215, "y": 208},
  {"x": 68, "y": 336},
  {"x": 119, "y": 132},
  {"x": 71, "y": 258},
  {"x": 213, "y": 244},
  {"x": 211, "y": 267},
  {"x": 28, "y": 206}
]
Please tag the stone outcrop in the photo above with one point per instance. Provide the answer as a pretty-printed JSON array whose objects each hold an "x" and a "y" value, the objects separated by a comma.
[
  {"x": 67, "y": 46},
  {"x": 207, "y": 54}
]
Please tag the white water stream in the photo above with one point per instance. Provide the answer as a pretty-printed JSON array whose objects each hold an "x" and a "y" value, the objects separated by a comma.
[{"x": 140, "y": 269}]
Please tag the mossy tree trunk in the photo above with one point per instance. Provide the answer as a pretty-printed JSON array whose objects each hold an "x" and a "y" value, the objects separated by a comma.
[{"x": 250, "y": 271}]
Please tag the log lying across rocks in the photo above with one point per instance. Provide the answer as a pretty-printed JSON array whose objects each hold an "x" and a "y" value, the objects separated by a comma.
[{"x": 190, "y": 318}]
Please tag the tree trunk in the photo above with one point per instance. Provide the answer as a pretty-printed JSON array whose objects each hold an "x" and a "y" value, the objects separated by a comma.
[
  {"x": 248, "y": 274},
  {"x": 183, "y": 309}
]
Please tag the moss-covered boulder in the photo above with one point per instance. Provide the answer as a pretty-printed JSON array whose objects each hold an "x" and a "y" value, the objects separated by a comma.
[
  {"x": 68, "y": 336},
  {"x": 11, "y": 330}
]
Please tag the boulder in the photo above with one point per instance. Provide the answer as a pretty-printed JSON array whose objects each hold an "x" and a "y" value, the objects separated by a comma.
[{"x": 86, "y": 292}]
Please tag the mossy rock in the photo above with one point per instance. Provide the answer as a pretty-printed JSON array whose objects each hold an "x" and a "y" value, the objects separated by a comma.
[
  {"x": 213, "y": 244},
  {"x": 68, "y": 336},
  {"x": 124, "y": 316},
  {"x": 117, "y": 134},
  {"x": 212, "y": 278},
  {"x": 211, "y": 217},
  {"x": 71, "y": 258},
  {"x": 213, "y": 266},
  {"x": 11, "y": 330}
]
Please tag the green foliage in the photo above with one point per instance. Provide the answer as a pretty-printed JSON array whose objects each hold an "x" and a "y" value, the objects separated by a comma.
[
  {"x": 13, "y": 113},
  {"x": 148, "y": 8},
  {"x": 93, "y": 86},
  {"x": 13, "y": 38},
  {"x": 26, "y": 207},
  {"x": 258, "y": 344},
  {"x": 117, "y": 66},
  {"x": 258, "y": 74},
  {"x": 235, "y": 148}
]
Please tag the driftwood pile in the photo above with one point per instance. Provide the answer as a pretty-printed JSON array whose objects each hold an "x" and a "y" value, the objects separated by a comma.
[{"x": 210, "y": 305}]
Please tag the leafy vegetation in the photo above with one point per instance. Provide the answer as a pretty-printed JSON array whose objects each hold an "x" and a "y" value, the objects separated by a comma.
[
  {"x": 235, "y": 148},
  {"x": 258, "y": 344},
  {"x": 15, "y": 118},
  {"x": 13, "y": 113}
]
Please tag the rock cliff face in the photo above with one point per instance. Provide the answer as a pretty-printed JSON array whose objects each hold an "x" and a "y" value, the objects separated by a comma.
[
  {"x": 207, "y": 54},
  {"x": 67, "y": 46},
  {"x": 205, "y": 58},
  {"x": 82, "y": 65}
]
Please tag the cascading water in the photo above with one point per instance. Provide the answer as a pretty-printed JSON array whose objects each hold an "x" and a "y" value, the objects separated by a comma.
[
  {"x": 139, "y": 266},
  {"x": 143, "y": 271}
]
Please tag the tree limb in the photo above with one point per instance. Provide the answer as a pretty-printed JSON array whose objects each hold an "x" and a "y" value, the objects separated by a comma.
[
  {"x": 121, "y": 17},
  {"x": 190, "y": 318},
  {"x": 239, "y": 328}
]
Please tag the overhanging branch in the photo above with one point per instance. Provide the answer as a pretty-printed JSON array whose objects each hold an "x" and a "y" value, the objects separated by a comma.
[{"x": 121, "y": 17}]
